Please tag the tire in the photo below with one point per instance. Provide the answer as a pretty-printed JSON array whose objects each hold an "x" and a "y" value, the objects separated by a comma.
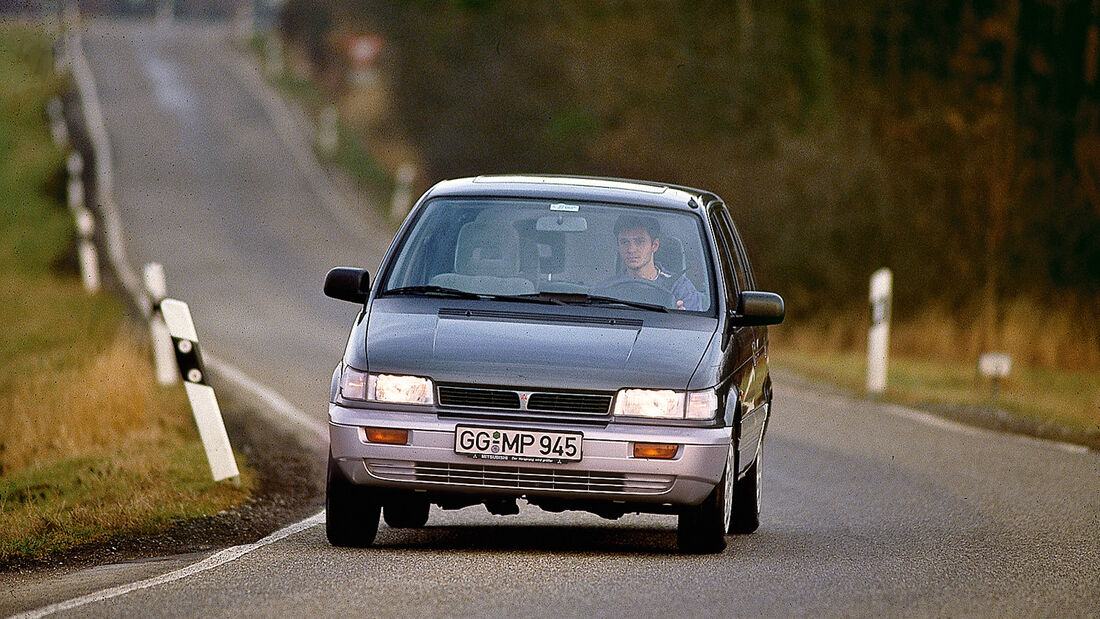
[
  {"x": 406, "y": 512},
  {"x": 746, "y": 498},
  {"x": 351, "y": 513},
  {"x": 702, "y": 529}
]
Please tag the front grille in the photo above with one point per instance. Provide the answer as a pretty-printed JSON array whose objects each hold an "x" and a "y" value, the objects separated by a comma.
[
  {"x": 570, "y": 403},
  {"x": 478, "y": 398},
  {"x": 520, "y": 478},
  {"x": 517, "y": 400}
]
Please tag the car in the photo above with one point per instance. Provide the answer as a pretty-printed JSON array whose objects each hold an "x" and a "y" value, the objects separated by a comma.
[{"x": 580, "y": 343}]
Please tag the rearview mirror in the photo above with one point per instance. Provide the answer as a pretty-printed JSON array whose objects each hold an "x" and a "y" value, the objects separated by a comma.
[
  {"x": 561, "y": 223},
  {"x": 348, "y": 284},
  {"x": 755, "y": 308}
]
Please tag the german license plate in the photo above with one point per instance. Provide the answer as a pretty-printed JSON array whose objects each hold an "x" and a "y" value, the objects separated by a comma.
[{"x": 518, "y": 445}]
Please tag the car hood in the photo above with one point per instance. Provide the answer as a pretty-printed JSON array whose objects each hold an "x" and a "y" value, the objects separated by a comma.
[{"x": 537, "y": 347}]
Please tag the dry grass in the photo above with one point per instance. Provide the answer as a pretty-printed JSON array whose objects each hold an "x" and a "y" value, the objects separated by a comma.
[
  {"x": 1070, "y": 399},
  {"x": 933, "y": 358},
  {"x": 90, "y": 446},
  {"x": 1059, "y": 335},
  {"x": 60, "y": 413}
]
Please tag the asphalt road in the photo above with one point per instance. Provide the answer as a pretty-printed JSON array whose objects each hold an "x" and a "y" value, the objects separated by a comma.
[{"x": 868, "y": 509}]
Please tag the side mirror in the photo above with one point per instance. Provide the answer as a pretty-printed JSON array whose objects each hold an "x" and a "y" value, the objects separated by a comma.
[
  {"x": 755, "y": 308},
  {"x": 348, "y": 284}
]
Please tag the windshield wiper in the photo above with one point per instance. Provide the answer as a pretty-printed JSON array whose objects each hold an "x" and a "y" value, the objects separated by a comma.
[
  {"x": 465, "y": 294},
  {"x": 438, "y": 290},
  {"x": 594, "y": 299},
  {"x": 529, "y": 297}
]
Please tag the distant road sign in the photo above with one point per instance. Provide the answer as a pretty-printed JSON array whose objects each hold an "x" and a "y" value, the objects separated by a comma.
[{"x": 995, "y": 364}]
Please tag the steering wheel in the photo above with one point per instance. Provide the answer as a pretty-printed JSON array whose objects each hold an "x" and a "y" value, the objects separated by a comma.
[{"x": 637, "y": 289}]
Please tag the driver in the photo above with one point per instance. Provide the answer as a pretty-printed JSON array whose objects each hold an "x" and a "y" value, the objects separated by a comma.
[{"x": 638, "y": 239}]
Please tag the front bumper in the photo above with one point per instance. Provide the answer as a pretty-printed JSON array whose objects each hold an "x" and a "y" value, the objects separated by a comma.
[{"x": 608, "y": 470}]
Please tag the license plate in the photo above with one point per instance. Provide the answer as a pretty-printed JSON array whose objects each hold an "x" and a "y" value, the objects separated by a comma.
[{"x": 518, "y": 445}]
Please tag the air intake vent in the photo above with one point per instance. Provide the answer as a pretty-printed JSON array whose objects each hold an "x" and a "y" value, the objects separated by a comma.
[
  {"x": 478, "y": 398},
  {"x": 570, "y": 403},
  {"x": 533, "y": 317}
]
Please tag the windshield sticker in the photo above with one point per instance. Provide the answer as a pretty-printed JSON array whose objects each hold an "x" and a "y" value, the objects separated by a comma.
[{"x": 569, "y": 208}]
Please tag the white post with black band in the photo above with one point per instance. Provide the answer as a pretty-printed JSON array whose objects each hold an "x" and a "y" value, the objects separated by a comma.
[{"x": 204, "y": 404}]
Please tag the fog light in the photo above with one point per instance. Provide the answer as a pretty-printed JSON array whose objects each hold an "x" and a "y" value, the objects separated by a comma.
[
  {"x": 389, "y": 436},
  {"x": 662, "y": 451}
]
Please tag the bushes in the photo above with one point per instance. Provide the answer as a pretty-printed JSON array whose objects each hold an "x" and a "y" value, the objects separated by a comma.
[{"x": 953, "y": 143}]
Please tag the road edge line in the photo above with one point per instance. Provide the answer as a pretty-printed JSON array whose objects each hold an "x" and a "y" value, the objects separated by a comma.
[
  {"x": 948, "y": 425},
  {"x": 272, "y": 399},
  {"x": 215, "y": 560}
]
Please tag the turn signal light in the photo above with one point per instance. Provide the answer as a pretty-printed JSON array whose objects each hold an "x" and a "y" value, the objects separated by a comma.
[
  {"x": 663, "y": 451},
  {"x": 388, "y": 436}
]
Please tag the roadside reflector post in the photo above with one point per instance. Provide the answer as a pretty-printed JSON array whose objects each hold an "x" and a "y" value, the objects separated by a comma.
[
  {"x": 878, "y": 337},
  {"x": 56, "y": 111},
  {"x": 204, "y": 404},
  {"x": 164, "y": 356},
  {"x": 995, "y": 365},
  {"x": 85, "y": 224},
  {"x": 328, "y": 137},
  {"x": 402, "y": 192},
  {"x": 75, "y": 194},
  {"x": 86, "y": 251}
]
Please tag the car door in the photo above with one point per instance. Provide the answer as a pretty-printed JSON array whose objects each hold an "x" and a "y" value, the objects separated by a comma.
[
  {"x": 738, "y": 341},
  {"x": 753, "y": 397}
]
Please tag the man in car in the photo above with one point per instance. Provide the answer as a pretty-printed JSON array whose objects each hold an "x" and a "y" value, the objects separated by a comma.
[{"x": 638, "y": 239}]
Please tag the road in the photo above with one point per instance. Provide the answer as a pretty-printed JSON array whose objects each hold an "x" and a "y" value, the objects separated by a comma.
[{"x": 869, "y": 509}]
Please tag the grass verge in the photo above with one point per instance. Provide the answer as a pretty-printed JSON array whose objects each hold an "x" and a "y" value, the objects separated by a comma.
[
  {"x": 1066, "y": 398},
  {"x": 90, "y": 447}
]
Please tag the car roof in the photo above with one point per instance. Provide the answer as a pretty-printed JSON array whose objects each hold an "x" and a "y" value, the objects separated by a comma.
[{"x": 604, "y": 189}]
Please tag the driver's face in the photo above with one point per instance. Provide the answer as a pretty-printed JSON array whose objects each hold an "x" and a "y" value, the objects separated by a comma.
[{"x": 636, "y": 247}]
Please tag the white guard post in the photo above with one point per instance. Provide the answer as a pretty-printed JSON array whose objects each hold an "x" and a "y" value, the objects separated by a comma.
[
  {"x": 85, "y": 224},
  {"x": 164, "y": 356},
  {"x": 402, "y": 193},
  {"x": 878, "y": 337},
  {"x": 995, "y": 365},
  {"x": 204, "y": 404}
]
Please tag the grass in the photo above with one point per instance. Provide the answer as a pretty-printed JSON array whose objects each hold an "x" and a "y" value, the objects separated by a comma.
[
  {"x": 1069, "y": 398},
  {"x": 90, "y": 447}
]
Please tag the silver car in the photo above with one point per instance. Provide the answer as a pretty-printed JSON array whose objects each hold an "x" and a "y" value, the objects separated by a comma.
[{"x": 580, "y": 343}]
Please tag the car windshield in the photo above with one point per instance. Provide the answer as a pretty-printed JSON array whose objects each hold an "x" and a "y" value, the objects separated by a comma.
[{"x": 546, "y": 250}]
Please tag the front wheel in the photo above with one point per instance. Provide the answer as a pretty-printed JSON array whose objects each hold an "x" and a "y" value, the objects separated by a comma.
[
  {"x": 702, "y": 529},
  {"x": 351, "y": 513}
]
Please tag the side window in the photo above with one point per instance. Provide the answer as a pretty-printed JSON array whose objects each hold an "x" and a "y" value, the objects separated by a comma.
[
  {"x": 725, "y": 255},
  {"x": 743, "y": 258},
  {"x": 740, "y": 264}
]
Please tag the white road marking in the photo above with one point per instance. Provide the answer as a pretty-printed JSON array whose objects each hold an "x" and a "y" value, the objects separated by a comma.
[
  {"x": 215, "y": 560},
  {"x": 272, "y": 401}
]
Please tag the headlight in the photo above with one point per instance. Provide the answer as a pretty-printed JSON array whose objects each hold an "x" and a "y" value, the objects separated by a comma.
[
  {"x": 356, "y": 385},
  {"x": 666, "y": 404}
]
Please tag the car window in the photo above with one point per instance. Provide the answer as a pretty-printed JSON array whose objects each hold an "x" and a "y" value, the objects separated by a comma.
[
  {"x": 737, "y": 252},
  {"x": 508, "y": 247},
  {"x": 726, "y": 254}
]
